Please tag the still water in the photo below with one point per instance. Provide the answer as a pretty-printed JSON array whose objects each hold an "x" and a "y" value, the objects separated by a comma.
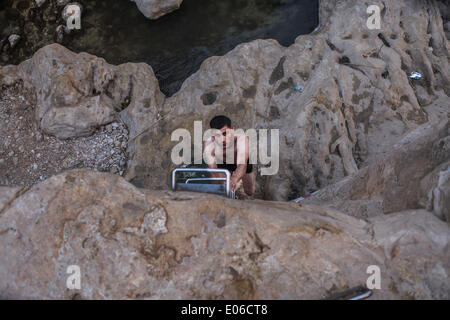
[{"x": 176, "y": 44}]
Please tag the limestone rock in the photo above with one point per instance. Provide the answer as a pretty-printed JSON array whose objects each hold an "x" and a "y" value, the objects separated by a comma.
[
  {"x": 153, "y": 9},
  {"x": 76, "y": 93},
  {"x": 402, "y": 238},
  {"x": 40, "y": 2},
  {"x": 133, "y": 243},
  {"x": 398, "y": 179},
  {"x": 356, "y": 104},
  {"x": 7, "y": 195},
  {"x": 80, "y": 120},
  {"x": 9, "y": 75},
  {"x": 435, "y": 192},
  {"x": 441, "y": 196},
  {"x": 13, "y": 40}
]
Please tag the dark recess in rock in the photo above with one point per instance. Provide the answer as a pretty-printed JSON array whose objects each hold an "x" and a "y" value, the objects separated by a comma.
[
  {"x": 209, "y": 98},
  {"x": 278, "y": 72}
]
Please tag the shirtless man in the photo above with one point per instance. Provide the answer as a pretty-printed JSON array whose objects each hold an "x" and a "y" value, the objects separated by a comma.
[{"x": 227, "y": 149}]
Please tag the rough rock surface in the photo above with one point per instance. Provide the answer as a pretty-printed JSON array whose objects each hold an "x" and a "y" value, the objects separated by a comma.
[
  {"x": 399, "y": 180},
  {"x": 28, "y": 155},
  {"x": 358, "y": 117},
  {"x": 435, "y": 192},
  {"x": 77, "y": 93},
  {"x": 357, "y": 100},
  {"x": 136, "y": 243},
  {"x": 35, "y": 22},
  {"x": 153, "y": 9}
]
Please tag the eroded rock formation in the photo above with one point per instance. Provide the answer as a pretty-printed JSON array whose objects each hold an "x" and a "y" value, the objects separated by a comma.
[
  {"x": 153, "y": 9},
  {"x": 358, "y": 99},
  {"x": 411, "y": 175},
  {"x": 77, "y": 93},
  {"x": 135, "y": 243}
]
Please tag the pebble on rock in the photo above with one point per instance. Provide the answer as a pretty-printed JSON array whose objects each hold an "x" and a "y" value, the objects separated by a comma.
[
  {"x": 39, "y": 2},
  {"x": 13, "y": 40}
]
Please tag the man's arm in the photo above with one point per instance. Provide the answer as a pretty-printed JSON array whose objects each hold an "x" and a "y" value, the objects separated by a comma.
[
  {"x": 243, "y": 147},
  {"x": 210, "y": 158},
  {"x": 209, "y": 155}
]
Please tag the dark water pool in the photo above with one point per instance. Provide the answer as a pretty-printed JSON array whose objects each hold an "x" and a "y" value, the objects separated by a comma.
[{"x": 176, "y": 44}]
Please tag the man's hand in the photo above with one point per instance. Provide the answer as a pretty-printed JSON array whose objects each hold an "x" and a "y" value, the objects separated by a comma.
[
  {"x": 233, "y": 184},
  {"x": 243, "y": 151}
]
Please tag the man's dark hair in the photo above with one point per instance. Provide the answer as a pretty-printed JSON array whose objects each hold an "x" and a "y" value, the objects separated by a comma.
[{"x": 219, "y": 122}]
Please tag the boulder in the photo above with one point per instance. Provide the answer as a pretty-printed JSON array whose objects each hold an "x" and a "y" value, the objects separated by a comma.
[
  {"x": 79, "y": 120},
  {"x": 77, "y": 93},
  {"x": 402, "y": 238},
  {"x": 154, "y": 9},
  {"x": 132, "y": 243}
]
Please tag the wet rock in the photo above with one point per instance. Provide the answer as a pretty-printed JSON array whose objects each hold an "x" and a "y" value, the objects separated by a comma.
[
  {"x": 77, "y": 93},
  {"x": 441, "y": 196},
  {"x": 161, "y": 245},
  {"x": 40, "y": 2},
  {"x": 13, "y": 40},
  {"x": 153, "y": 9},
  {"x": 66, "y": 13},
  {"x": 60, "y": 33},
  {"x": 34, "y": 21}
]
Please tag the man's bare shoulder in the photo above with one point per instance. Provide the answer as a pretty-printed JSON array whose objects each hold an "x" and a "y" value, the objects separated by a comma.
[
  {"x": 241, "y": 138},
  {"x": 240, "y": 134},
  {"x": 209, "y": 141}
]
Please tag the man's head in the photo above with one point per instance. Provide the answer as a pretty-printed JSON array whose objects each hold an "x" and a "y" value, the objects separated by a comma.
[
  {"x": 223, "y": 124},
  {"x": 219, "y": 122}
]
